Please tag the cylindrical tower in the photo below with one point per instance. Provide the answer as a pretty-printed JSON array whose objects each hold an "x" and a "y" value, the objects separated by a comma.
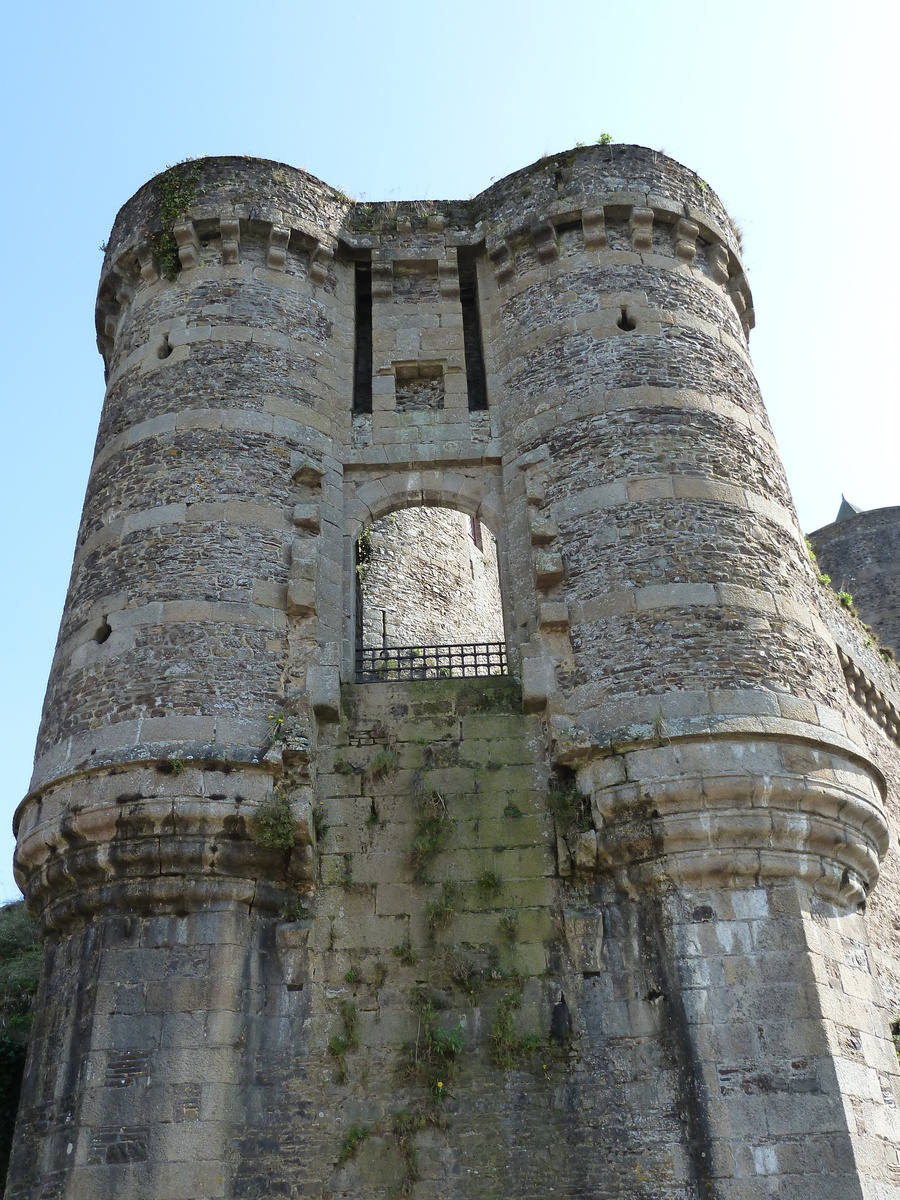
[
  {"x": 161, "y": 814},
  {"x": 669, "y": 611},
  {"x": 644, "y": 473}
]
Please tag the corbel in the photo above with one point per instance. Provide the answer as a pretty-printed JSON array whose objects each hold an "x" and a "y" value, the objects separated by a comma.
[
  {"x": 546, "y": 245},
  {"x": 306, "y": 470},
  {"x": 122, "y": 288},
  {"x": 641, "y": 229},
  {"x": 740, "y": 294},
  {"x": 553, "y": 616},
  {"x": 279, "y": 236},
  {"x": 382, "y": 279},
  {"x": 502, "y": 260},
  {"x": 319, "y": 262},
  {"x": 149, "y": 270},
  {"x": 109, "y": 318},
  {"x": 686, "y": 234},
  {"x": 230, "y": 230},
  {"x": 593, "y": 225},
  {"x": 717, "y": 257},
  {"x": 301, "y": 594},
  {"x": 306, "y": 516},
  {"x": 448, "y": 277},
  {"x": 188, "y": 244},
  {"x": 543, "y": 529},
  {"x": 548, "y": 570}
]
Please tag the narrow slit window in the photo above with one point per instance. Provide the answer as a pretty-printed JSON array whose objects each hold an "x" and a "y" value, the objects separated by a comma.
[
  {"x": 362, "y": 358},
  {"x": 625, "y": 322},
  {"x": 476, "y": 380}
]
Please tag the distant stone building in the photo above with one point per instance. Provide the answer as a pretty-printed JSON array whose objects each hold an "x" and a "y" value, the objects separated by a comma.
[
  {"x": 861, "y": 553},
  {"x": 591, "y": 912}
]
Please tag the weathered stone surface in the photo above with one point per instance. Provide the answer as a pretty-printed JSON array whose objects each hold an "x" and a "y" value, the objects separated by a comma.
[
  {"x": 606, "y": 925},
  {"x": 861, "y": 553}
]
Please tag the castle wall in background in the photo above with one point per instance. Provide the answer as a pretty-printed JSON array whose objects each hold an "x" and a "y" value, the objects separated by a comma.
[
  {"x": 861, "y": 553},
  {"x": 608, "y": 926},
  {"x": 432, "y": 578}
]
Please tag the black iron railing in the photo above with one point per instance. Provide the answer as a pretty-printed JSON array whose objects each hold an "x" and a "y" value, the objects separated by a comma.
[{"x": 383, "y": 664}]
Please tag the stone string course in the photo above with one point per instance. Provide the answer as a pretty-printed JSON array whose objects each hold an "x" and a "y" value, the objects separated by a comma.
[{"x": 621, "y": 924}]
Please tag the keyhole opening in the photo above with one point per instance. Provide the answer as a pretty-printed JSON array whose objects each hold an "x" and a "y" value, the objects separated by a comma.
[
  {"x": 625, "y": 322},
  {"x": 165, "y": 349}
]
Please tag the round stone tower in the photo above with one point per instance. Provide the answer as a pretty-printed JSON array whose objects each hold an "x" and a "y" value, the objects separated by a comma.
[
  {"x": 646, "y": 856},
  {"x": 161, "y": 813},
  {"x": 644, "y": 473}
]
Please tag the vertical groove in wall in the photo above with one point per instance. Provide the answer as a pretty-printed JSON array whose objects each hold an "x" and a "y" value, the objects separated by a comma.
[
  {"x": 468, "y": 298},
  {"x": 362, "y": 359}
]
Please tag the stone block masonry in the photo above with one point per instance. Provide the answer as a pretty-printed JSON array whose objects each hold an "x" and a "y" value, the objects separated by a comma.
[
  {"x": 430, "y": 576},
  {"x": 861, "y": 553},
  {"x": 607, "y": 927}
]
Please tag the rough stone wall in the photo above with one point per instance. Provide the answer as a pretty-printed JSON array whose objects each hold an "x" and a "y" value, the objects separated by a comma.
[
  {"x": 427, "y": 582},
  {"x": 225, "y": 841},
  {"x": 862, "y": 556},
  {"x": 873, "y": 688}
]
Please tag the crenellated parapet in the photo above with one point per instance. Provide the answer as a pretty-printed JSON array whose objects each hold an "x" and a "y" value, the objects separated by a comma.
[{"x": 203, "y": 243}]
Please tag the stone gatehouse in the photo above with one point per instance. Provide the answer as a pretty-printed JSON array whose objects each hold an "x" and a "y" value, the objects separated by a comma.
[{"x": 598, "y": 921}]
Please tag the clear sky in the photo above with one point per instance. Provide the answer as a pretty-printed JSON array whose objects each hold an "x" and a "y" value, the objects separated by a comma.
[{"x": 789, "y": 110}]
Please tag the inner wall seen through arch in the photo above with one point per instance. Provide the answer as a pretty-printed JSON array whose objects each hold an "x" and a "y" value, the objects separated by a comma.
[{"x": 428, "y": 576}]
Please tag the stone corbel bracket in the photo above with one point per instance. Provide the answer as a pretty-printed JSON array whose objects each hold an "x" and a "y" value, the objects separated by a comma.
[
  {"x": 593, "y": 225},
  {"x": 170, "y": 842},
  {"x": 320, "y": 260},
  {"x": 448, "y": 276},
  {"x": 690, "y": 227},
  {"x": 502, "y": 259},
  {"x": 546, "y": 243},
  {"x": 869, "y": 697},
  {"x": 230, "y": 233},
  {"x": 693, "y": 814},
  {"x": 188, "y": 245},
  {"x": 640, "y": 226},
  {"x": 382, "y": 279},
  {"x": 686, "y": 234},
  {"x": 276, "y": 256},
  {"x": 136, "y": 264}
]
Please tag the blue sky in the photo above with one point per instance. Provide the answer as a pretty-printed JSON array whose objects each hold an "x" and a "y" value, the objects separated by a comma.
[{"x": 789, "y": 110}]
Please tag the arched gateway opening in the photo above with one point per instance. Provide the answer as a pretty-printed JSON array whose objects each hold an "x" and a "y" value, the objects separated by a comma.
[{"x": 428, "y": 603}]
